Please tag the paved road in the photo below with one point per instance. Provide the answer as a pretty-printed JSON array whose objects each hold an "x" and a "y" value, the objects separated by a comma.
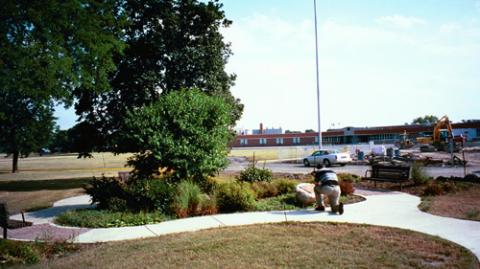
[{"x": 237, "y": 164}]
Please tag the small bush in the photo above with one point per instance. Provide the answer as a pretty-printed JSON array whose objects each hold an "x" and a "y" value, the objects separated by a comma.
[
  {"x": 150, "y": 194},
  {"x": 439, "y": 188},
  {"x": 418, "y": 174},
  {"x": 264, "y": 189},
  {"x": 235, "y": 196},
  {"x": 285, "y": 185},
  {"x": 449, "y": 187},
  {"x": 187, "y": 199},
  {"x": 12, "y": 252},
  {"x": 349, "y": 177},
  {"x": 208, "y": 205},
  {"x": 433, "y": 189},
  {"x": 116, "y": 204},
  {"x": 161, "y": 193},
  {"x": 104, "y": 189},
  {"x": 346, "y": 187},
  {"x": 473, "y": 214},
  {"x": 253, "y": 174}
]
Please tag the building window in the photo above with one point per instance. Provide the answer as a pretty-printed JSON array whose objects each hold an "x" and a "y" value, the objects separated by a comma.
[
  {"x": 262, "y": 141},
  {"x": 279, "y": 140},
  {"x": 296, "y": 140},
  {"x": 243, "y": 141}
]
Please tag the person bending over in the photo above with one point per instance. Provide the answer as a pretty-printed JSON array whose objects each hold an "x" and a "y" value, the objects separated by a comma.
[{"x": 326, "y": 183}]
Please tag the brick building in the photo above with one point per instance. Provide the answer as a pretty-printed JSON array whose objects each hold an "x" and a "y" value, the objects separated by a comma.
[{"x": 353, "y": 135}]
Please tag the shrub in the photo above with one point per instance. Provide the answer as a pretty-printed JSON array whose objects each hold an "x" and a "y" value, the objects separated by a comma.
[
  {"x": 349, "y": 177},
  {"x": 439, "y": 188},
  {"x": 105, "y": 191},
  {"x": 449, "y": 187},
  {"x": 185, "y": 131},
  {"x": 264, "y": 189},
  {"x": 433, "y": 189},
  {"x": 150, "y": 194},
  {"x": 160, "y": 193},
  {"x": 285, "y": 185},
  {"x": 418, "y": 174},
  {"x": 346, "y": 187},
  {"x": 208, "y": 205},
  {"x": 235, "y": 196},
  {"x": 253, "y": 174},
  {"x": 187, "y": 199},
  {"x": 12, "y": 252}
]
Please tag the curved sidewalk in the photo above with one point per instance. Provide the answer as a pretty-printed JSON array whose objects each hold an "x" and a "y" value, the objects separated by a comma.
[{"x": 393, "y": 209}]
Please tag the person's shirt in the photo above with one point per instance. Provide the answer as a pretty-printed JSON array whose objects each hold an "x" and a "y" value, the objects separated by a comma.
[{"x": 322, "y": 176}]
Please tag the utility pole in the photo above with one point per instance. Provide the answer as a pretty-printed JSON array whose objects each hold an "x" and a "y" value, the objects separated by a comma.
[{"x": 318, "y": 85}]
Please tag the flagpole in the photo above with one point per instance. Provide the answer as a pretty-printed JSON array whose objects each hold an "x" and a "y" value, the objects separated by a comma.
[{"x": 318, "y": 85}]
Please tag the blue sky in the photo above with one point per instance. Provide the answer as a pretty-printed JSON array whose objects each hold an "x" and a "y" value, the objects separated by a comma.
[{"x": 381, "y": 62}]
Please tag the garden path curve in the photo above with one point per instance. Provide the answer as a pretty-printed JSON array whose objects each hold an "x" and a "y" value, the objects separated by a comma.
[{"x": 393, "y": 209}]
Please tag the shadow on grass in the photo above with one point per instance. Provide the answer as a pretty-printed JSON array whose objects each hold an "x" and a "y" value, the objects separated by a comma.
[
  {"x": 36, "y": 185},
  {"x": 55, "y": 211}
]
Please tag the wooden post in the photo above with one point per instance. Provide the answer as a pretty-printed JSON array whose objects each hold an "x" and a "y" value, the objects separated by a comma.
[{"x": 4, "y": 219}]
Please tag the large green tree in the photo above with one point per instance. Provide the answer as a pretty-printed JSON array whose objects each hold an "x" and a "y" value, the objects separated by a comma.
[
  {"x": 48, "y": 49},
  {"x": 185, "y": 132},
  {"x": 171, "y": 45}
]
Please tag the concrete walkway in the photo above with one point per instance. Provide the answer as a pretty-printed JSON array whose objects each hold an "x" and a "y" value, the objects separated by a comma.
[{"x": 393, "y": 209}]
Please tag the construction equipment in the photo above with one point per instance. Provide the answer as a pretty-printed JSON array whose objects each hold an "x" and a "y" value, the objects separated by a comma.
[
  {"x": 404, "y": 142},
  {"x": 442, "y": 138}
]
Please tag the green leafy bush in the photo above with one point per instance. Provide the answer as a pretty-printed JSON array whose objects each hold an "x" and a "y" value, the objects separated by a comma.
[
  {"x": 12, "y": 252},
  {"x": 285, "y": 185},
  {"x": 264, "y": 189},
  {"x": 92, "y": 218},
  {"x": 185, "y": 131},
  {"x": 151, "y": 194},
  {"x": 253, "y": 174},
  {"x": 235, "y": 196},
  {"x": 418, "y": 174},
  {"x": 187, "y": 199},
  {"x": 107, "y": 192}
]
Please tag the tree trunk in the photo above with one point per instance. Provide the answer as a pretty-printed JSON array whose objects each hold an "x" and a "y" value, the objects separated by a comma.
[{"x": 15, "y": 162}]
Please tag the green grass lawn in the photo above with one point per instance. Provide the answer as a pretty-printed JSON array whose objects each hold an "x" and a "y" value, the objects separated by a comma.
[
  {"x": 286, "y": 245},
  {"x": 30, "y": 195}
]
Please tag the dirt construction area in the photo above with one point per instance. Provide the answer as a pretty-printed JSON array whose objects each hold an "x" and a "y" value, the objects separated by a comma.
[{"x": 278, "y": 159}]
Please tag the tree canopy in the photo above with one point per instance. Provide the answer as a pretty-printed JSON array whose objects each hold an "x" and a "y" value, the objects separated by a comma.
[
  {"x": 425, "y": 120},
  {"x": 170, "y": 45},
  {"x": 47, "y": 50}
]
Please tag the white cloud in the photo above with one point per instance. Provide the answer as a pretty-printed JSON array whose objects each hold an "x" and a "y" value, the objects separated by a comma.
[
  {"x": 449, "y": 27},
  {"x": 400, "y": 21}
]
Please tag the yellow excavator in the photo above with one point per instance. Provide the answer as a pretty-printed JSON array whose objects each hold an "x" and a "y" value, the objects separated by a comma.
[{"x": 441, "y": 138}]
